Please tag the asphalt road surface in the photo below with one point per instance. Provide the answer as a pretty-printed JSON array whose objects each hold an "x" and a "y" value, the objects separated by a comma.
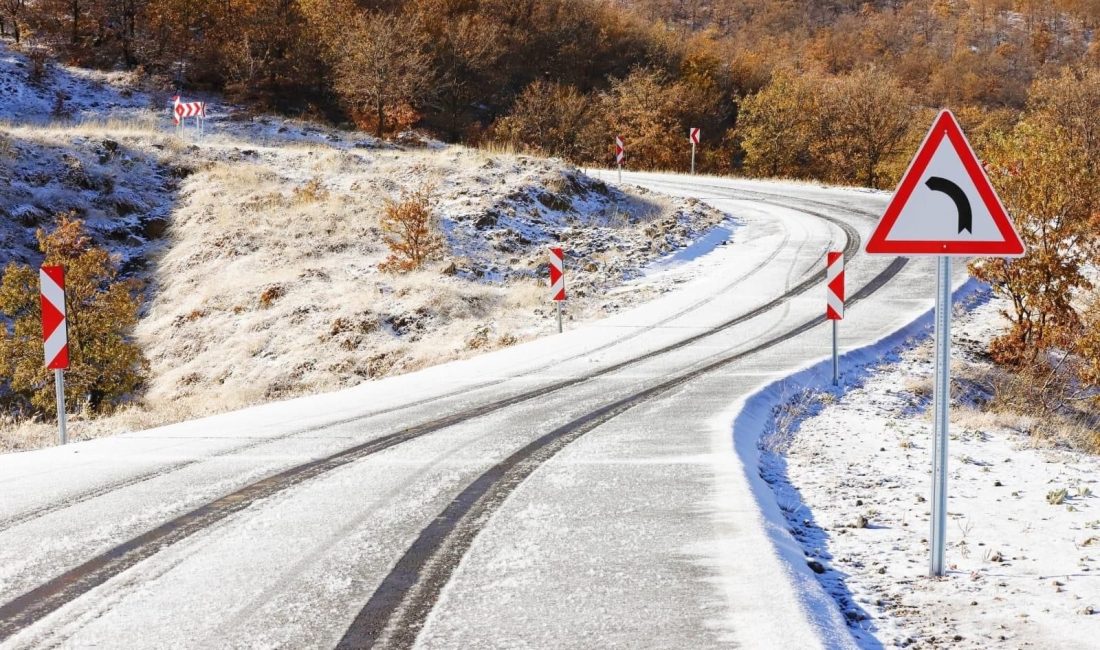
[{"x": 583, "y": 490}]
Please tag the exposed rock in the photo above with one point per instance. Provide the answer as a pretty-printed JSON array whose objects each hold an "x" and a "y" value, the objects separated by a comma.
[{"x": 154, "y": 228}]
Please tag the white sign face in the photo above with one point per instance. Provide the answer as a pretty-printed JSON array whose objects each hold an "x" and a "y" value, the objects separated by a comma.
[{"x": 933, "y": 215}]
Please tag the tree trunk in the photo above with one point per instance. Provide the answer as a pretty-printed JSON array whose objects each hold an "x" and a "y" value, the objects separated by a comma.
[
  {"x": 380, "y": 130},
  {"x": 74, "y": 36}
]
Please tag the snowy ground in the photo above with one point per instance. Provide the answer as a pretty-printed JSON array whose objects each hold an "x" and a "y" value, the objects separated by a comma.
[
  {"x": 260, "y": 243},
  {"x": 852, "y": 477},
  {"x": 646, "y": 531}
]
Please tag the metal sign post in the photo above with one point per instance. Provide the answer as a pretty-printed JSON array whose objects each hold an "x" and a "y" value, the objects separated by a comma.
[
  {"x": 59, "y": 388},
  {"x": 944, "y": 206},
  {"x": 836, "y": 358},
  {"x": 941, "y": 404}
]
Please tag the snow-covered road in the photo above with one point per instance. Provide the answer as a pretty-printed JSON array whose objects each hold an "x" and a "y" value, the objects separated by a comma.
[{"x": 581, "y": 490}]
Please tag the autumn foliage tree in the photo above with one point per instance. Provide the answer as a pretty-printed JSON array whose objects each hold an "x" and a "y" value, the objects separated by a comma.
[
  {"x": 553, "y": 119},
  {"x": 776, "y": 126},
  {"x": 410, "y": 231},
  {"x": 105, "y": 365},
  {"x": 12, "y": 17},
  {"x": 864, "y": 116},
  {"x": 1042, "y": 176},
  {"x": 380, "y": 67},
  {"x": 844, "y": 128}
]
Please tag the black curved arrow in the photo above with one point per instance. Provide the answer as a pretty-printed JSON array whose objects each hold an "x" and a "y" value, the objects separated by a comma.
[{"x": 966, "y": 217}]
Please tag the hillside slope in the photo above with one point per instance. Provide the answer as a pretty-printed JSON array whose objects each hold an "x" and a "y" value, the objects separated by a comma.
[{"x": 259, "y": 245}]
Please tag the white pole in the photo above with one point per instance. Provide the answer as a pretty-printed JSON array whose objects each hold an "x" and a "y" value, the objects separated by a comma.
[
  {"x": 559, "y": 316},
  {"x": 620, "y": 164},
  {"x": 693, "y": 158},
  {"x": 836, "y": 358},
  {"x": 942, "y": 403},
  {"x": 59, "y": 387}
]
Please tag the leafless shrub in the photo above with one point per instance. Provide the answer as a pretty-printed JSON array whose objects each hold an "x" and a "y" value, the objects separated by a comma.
[
  {"x": 39, "y": 60},
  {"x": 271, "y": 294},
  {"x": 7, "y": 147},
  {"x": 1042, "y": 400},
  {"x": 787, "y": 416}
]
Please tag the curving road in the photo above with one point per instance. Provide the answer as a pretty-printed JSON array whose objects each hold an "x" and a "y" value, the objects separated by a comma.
[{"x": 580, "y": 490}]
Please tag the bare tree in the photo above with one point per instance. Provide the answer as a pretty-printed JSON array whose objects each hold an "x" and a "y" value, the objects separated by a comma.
[
  {"x": 13, "y": 12},
  {"x": 382, "y": 65}
]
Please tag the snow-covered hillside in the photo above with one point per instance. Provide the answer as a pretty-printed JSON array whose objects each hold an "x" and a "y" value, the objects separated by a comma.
[
  {"x": 48, "y": 92},
  {"x": 271, "y": 286},
  {"x": 259, "y": 243}
]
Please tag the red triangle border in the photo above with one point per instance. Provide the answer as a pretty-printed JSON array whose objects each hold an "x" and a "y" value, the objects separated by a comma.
[{"x": 945, "y": 126}]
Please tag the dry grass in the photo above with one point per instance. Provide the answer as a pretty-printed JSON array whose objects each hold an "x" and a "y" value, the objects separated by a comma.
[
  {"x": 270, "y": 292},
  {"x": 117, "y": 127},
  {"x": 491, "y": 147},
  {"x": 1016, "y": 401}
]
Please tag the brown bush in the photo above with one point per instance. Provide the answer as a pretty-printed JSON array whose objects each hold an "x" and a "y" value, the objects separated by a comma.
[
  {"x": 411, "y": 231},
  {"x": 271, "y": 294}
]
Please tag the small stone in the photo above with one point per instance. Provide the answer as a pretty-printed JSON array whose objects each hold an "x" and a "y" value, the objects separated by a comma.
[{"x": 816, "y": 566}]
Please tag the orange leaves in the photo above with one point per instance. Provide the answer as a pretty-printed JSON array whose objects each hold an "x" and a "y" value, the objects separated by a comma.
[
  {"x": 106, "y": 365},
  {"x": 411, "y": 232}
]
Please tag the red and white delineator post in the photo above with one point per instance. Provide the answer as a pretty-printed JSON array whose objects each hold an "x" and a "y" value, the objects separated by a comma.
[
  {"x": 557, "y": 280},
  {"x": 693, "y": 135},
  {"x": 620, "y": 155},
  {"x": 55, "y": 334},
  {"x": 834, "y": 308}
]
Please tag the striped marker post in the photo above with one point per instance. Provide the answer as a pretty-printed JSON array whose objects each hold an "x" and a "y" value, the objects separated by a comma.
[
  {"x": 55, "y": 334},
  {"x": 834, "y": 309},
  {"x": 693, "y": 135},
  {"x": 557, "y": 280},
  {"x": 620, "y": 155}
]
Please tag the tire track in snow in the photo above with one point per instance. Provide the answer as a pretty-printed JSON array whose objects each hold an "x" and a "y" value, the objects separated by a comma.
[
  {"x": 28, "y": 608},
  {"x": 395, "y": 614},
  {"x": 102, "y": 490}
]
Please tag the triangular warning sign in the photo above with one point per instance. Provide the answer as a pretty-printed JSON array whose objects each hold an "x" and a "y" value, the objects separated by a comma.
[{"x": 945, "y": 204}]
